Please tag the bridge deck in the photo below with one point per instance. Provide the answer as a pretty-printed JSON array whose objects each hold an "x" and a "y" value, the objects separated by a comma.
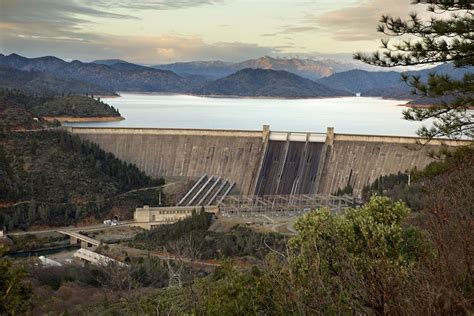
[{"x": 81, "y": 237}]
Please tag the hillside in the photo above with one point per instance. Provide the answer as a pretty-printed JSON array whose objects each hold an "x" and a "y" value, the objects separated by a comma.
[
  {"x": 361, "y": 81},
  {"x": 40, "y": 83},
  {"x": 128, "y": 77},
  {"x": 53, "y": 178},
  {"x": 13, "y": 117},
  {"x": 22, "y": 111},
  {"x": 386, "y": 84},
  {"x": 267, "y": 83},
  {"x": 49, "y": 177},
  {"x": 76, "y": 106}
]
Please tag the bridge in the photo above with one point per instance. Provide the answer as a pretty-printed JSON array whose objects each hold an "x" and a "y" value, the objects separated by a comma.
[{"x": 80, "y": 239}]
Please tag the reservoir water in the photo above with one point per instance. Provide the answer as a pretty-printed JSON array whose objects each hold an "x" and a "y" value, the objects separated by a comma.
[{"x": 356, "y": 115}]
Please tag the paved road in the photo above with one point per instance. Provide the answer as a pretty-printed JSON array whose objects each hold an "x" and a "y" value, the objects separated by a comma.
[{"x": 72, "y": 229}]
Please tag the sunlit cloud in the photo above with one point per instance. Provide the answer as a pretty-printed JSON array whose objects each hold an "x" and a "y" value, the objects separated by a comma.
[
  {"x": 157, "y": 31},
  {"x": 358, "y": 22}
]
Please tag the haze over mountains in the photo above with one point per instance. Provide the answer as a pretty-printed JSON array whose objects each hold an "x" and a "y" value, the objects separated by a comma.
[
  {"x": 306, "y": 68},
  {"x": 292, "y": 78}
]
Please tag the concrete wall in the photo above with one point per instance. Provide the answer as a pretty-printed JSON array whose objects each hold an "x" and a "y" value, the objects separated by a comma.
[
  {"x": 357, "y": 160},
  {"x": 264, "y": 162},
  {"x": 233, "y": 155}
]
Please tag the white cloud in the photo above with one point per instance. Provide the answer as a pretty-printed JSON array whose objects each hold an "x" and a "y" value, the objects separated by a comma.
[{"x": 359, "y": 22}]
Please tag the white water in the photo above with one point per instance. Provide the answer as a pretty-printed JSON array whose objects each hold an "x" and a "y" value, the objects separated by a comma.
[{"x": 356, "y": 115}]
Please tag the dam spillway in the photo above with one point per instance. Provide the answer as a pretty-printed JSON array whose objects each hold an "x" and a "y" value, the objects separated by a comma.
[
  {"x": 266, "y": 162},
  {"x": 291, "y": 164}
]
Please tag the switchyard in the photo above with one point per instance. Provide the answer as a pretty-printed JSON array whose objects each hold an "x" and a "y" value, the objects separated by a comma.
[{"x": 288, "y": 205}]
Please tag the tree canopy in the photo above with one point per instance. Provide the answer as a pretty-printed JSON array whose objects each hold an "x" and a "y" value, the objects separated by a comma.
[{"x": 446, "y": 36}]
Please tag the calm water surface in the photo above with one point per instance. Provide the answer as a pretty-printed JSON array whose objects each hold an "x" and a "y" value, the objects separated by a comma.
[{"x": 347, "y": 115}]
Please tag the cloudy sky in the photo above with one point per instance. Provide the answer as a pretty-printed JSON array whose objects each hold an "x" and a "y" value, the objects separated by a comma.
[{"x": 161, "y": 31}]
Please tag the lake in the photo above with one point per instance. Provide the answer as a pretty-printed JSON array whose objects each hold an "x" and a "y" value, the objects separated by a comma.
[{"x": 356, "y": 115}]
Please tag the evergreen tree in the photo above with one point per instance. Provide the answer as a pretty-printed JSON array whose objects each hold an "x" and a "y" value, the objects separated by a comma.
[
  {"x": 445, "y": 37},
  {"x": 32, "y": 212},
  {"x": 15, "y": 292}
]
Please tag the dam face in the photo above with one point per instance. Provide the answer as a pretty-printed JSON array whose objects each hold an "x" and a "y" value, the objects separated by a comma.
[
  {"x": 233, "y": 155},
  {"x": 264, "y": 162}
]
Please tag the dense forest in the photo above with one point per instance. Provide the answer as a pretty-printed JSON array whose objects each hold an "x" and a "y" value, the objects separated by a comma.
[
  {"x": 60, "y": 105},
  {"x": 54, "y": 178},
  {"x": 42, "y": 83},
  {"x": 77, "y": 106}
]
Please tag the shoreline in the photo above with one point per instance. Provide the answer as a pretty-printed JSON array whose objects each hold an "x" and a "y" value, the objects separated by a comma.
[
  {"x": 218, "y": 96},
  {"x": 82, "y": 119},
  {"x": 424, "y": 106}
]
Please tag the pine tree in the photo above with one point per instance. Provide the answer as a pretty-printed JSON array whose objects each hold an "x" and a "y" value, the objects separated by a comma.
[{"x": 444, "y": 38}]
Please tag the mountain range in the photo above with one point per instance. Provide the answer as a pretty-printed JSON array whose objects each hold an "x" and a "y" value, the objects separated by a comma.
[
  {"x": 251, "y": 82},
  {"x": 114, "y": 77},
  {"x": 306, "y": 68},
  {"x": 386, "y": 84},
  {"x": 283, "y": 77}
]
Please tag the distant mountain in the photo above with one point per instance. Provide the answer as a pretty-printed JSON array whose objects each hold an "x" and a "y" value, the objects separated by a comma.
[
  {"x": 267, "y": 83},
  {"x": 208, "y": 69},
  {"x": 306, "y": 68},
  {"x": 116, "y": 77},
  {"x": 361, "y": 81},
  {"x": 109, "y": 62},
  {"x": 119, "y": 64},
  {"x": 386, "y": 84},
  {"x": 40, "y": 83},
  {"x": 302, "y": 67}
]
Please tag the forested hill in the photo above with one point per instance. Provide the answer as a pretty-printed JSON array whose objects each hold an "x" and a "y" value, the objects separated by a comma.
[
  {"x": 388, "y": 84},
  {"x": 267, "y": 83},
  {"x": 18, "y": 110},
  {"x": 13, "y": 117},
  {"x": 54, "y": 178},
  {"x": 41, "y": 83},
  {"x": 361, "y": 81},
  {"x": 76, "y": 106},
  {"x": 124, "y": 78}
]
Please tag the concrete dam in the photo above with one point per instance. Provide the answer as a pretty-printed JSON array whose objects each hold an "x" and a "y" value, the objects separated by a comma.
[{"x": 266, "y": 162}]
